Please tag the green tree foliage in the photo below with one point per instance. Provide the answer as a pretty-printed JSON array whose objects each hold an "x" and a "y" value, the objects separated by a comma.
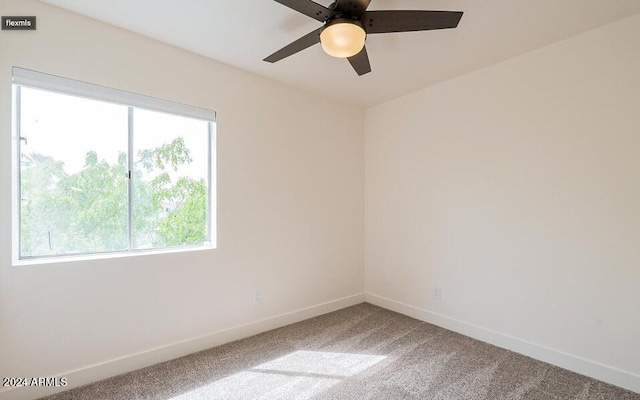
[
  {"x": 187, "y": 223},
  {"x": 86, "y": 211}
]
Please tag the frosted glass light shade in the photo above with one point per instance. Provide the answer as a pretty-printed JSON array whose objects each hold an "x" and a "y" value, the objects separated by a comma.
[{"x": 343, "y": 38}]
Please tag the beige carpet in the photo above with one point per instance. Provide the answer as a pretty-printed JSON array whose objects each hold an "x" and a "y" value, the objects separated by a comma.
[{"x": 361, "y": 352}]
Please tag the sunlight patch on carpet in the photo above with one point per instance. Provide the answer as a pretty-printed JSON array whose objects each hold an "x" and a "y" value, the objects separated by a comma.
[{"x": 301, "y": 374}]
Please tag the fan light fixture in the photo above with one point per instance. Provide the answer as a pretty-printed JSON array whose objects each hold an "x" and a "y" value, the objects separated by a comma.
[
  {"x": 343, "y": 38},
  {"x": 347, "y": 23}
]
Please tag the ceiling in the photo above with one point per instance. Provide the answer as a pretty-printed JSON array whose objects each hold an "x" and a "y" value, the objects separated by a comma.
[{"x": 242, "y": 33}]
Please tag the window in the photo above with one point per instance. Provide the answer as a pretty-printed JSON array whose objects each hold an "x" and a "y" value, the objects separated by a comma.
[{"x": 100, "y": 170}]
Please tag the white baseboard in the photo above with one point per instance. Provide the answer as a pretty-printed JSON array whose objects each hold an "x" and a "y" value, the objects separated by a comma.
[
  {"x": 612, "y": 375},
  {"x": 132, "y": 362}
]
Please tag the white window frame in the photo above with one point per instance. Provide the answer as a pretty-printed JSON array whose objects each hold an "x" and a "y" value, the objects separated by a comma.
[{"x": 22, "y": 77}]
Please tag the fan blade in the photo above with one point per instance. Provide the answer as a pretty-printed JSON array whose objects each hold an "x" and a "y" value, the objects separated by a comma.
[
  {"x": 307, "y": 40},
  {"x": 309, "y": 8},
  {"x": 360, "y": 62},
  {"x": 406, "y": 21},
  {"x": 352, "y": 7}
]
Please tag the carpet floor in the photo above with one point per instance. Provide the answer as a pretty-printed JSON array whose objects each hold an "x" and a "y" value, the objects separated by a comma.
[{"x": 361, "y": 352}]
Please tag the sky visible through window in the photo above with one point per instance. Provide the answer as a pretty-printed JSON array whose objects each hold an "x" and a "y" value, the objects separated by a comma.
[{"x": 92, "y": 125}]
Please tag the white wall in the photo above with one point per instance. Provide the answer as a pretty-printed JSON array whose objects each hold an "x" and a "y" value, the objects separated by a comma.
[
  {"x": 516, "y": 189},
  {"x": 290, "y": 213}
]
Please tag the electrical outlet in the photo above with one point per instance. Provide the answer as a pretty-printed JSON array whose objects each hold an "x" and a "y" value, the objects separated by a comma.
[
  {"x": 257, "y": 297},
  {"x": 437, "y": 292}
]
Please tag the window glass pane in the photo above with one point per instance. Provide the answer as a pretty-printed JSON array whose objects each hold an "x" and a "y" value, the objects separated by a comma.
[
  {"x": 170, "y": 174},
  {"x": 73, "y": 189}
]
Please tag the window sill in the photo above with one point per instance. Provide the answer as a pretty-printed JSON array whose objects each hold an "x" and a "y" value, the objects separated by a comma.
[{"x": 107, "y": 256}]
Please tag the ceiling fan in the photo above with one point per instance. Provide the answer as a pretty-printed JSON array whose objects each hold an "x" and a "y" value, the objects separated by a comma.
[{"x": 347, "y": 24}]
